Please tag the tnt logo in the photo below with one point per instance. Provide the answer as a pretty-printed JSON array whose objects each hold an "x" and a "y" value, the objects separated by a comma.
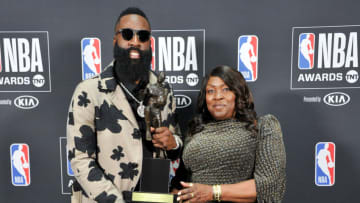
[
  {"x": 248, "y": 57},
  {"x": 325, "y": 164},
  {"x": 20, "y": 164},
  {"x": 352, "y": 76},
  {"x": 152, "y": 44},
  {"x": 306, "y": 50},
  {"x": 91, "y": 57}
]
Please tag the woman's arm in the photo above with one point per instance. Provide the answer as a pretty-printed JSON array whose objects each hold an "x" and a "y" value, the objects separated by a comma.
[
  {"x": 244, "y": 191},
  {"x": 270, "y": 162}
]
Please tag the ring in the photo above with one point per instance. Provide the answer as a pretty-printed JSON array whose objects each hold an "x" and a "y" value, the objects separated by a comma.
[
  {"x": 192, "y": 195},
  {"x": 191, "y": 184}
]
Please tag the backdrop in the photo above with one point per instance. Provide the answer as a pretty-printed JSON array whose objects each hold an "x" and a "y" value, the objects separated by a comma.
[{"x": 299, "y": 56}]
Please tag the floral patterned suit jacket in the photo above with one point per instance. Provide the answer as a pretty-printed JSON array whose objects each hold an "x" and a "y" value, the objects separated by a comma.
[{"x": 103, "y": 139}]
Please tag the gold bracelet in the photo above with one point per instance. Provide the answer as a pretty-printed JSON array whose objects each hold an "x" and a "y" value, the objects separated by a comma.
[
  {"x": 217, "y": 193},
  {"x": 214, "y": 192}
]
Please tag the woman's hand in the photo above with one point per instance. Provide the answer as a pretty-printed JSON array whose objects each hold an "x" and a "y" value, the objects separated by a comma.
[{"x": 194, "y": 192}]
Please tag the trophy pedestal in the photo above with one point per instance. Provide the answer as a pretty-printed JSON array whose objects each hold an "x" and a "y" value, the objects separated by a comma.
[{"x": 154, "y": 183}]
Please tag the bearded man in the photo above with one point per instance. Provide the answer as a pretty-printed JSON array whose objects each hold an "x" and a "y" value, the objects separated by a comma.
[{"x": 106, "y": 127}]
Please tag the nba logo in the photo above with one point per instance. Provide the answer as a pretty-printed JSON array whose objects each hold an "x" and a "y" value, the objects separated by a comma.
[
  {"x": 69, "y": 169},
  {"x": 20, "y": 164},
  {"x": 306, "y": 50},
  {"x": 90, "y": 57},
  {"x": 325, "y": 164},
  {"x": 248, "y": 57},
  {"x": 152, "y": 40}
]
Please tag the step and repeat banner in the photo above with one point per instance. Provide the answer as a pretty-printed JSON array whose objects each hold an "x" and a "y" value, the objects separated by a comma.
[{"x": 300, "y": 58}]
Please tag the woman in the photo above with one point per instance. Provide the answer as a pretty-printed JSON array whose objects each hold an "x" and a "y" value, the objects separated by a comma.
[{"x": 231, "y": 154}]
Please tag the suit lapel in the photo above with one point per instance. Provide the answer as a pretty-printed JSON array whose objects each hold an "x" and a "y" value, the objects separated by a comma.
[
  {"x": 108, "y": 84},
  {"x": 120, "y": 102}
]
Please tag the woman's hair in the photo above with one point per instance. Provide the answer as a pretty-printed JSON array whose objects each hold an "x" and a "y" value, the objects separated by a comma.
[{"x": 244, "y": 103}]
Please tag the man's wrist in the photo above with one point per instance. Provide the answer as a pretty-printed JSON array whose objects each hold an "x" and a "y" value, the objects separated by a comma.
[{"x": 176, "y": 138}]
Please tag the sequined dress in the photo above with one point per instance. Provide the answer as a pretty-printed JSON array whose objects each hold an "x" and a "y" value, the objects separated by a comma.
[{"x": 225, "y": 153}]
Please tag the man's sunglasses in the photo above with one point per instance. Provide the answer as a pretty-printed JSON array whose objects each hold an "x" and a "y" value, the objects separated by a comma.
[{"x": 128, "y": 34}]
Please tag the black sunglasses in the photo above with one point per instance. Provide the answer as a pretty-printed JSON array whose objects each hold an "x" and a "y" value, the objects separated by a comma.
[{"x": 128, "y": 34}]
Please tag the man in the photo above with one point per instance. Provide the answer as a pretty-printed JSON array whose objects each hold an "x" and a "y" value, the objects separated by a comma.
[{"x": 106, "y": 129}]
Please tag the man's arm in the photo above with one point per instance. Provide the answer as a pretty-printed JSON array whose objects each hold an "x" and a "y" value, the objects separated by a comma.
[{"x": 82, "y": 148}]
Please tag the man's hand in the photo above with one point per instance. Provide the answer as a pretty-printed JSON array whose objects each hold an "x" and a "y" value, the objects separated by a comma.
[{"x": 163, "y": 138}]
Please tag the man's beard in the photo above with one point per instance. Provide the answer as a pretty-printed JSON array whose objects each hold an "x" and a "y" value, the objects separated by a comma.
[{"x": 131, "y": 70}]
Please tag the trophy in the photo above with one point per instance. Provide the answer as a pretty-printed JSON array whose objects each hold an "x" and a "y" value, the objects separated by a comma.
[
  {"x": 154, "y": 183},
  {"x": 156, "y": 96}
]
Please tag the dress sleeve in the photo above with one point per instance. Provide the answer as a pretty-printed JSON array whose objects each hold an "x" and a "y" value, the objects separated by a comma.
[
  {"x": 270, "y": 176},
  {"x": 82, "y": 149}
]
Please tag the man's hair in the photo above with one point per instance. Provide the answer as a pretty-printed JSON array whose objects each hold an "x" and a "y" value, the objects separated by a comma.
[{"x": 128, "y": 11}]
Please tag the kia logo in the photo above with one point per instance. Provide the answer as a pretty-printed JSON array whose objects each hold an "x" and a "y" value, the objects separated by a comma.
[
  {"x": 26, "y": 102},
  {"x": 182, "y": 101},
  {"x": 336, "y": 99}
]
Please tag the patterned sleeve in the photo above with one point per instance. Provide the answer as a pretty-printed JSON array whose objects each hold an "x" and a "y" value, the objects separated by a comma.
[
  {"x": 270, "y": 177},
  {"x": 82, "y": 149}
]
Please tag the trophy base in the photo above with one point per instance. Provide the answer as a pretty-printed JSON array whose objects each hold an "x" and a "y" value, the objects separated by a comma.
[
  {"x": 155, "y": 176},
  {"x": 154, "y": 183}
]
